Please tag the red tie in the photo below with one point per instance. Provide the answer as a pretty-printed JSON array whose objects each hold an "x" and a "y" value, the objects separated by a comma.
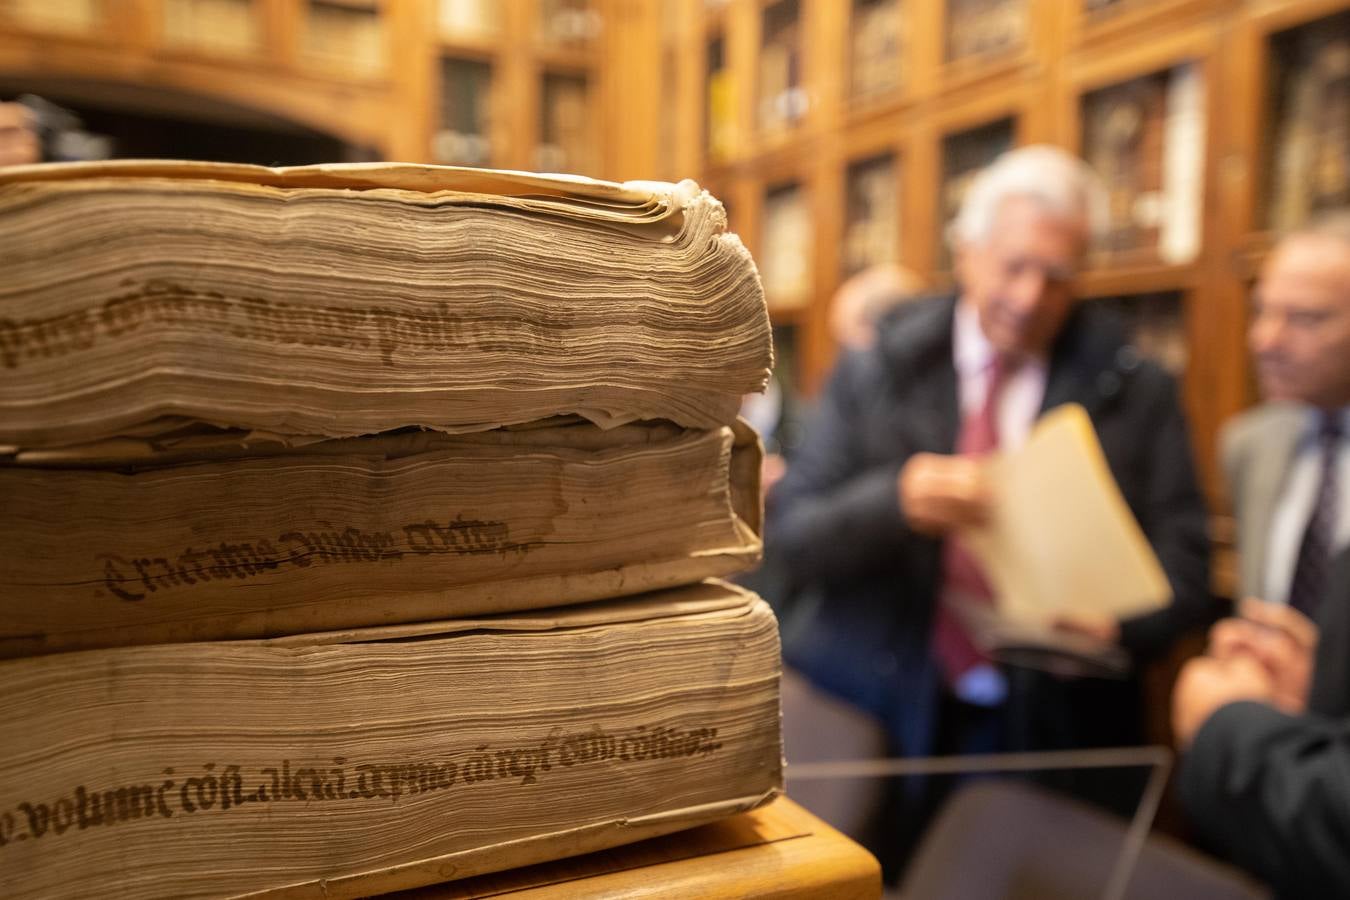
[{"x": 961, "y": 574}]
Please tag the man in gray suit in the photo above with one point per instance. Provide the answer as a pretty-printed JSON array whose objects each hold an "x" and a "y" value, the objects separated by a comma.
[
  {"x": 1265, "y": 716},
  {"x": 1273, "y": 455}
]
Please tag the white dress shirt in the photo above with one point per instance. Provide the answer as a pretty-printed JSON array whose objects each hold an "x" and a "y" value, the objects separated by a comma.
[
  {"x": 1023, "y": 391},
  {"x": 1297, "y": 496}
]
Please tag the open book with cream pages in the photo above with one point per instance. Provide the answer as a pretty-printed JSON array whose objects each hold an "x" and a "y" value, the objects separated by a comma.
[{"x": 1061, "y": 539}]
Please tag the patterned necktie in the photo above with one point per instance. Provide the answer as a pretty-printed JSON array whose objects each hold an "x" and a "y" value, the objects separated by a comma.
[
  {"x": 962, "y": 576},
  {"x": 1314, "y": 552}
]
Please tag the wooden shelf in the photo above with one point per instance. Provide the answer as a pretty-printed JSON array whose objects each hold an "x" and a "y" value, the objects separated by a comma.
[
  {"x": 566, "y": 58},
  {"x": 859, "y": 113},
  {"x": 478, "y": 47},
  {"x": 1146, "y": 279},
  {"x": 962, "y": 76},
  {"x": 361, "y": 5},
  {"x": 393, "y": 106},
  {"x": 778, "y": 852},
  {"x": 1133, "y": 16}
]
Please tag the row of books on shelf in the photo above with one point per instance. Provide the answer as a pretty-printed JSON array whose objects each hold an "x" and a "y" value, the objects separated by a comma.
[
  {"x": 1149, "y": 157},
  {"x": 566, "y": 138},
  {"x": 335, "y": 34},
  {"x": 237, "y": 26},
  {"x": 566, "y": 23},
  {"x": 1146, "y": 135}
]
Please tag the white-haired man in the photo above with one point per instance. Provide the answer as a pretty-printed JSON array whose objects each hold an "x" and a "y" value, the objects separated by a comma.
[{"x": 888, "y": 473}]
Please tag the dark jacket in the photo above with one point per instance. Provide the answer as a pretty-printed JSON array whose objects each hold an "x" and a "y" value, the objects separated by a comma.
[
  {"x": 1272, "y": 792},
  {"x": 835, "y": 520}
]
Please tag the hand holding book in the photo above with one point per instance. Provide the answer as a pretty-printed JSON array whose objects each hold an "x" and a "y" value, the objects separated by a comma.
[
  {"x": 1065, "y": 555},
  {"x": 1101, "y": 627},
  {"x": 942, "y": 493}
]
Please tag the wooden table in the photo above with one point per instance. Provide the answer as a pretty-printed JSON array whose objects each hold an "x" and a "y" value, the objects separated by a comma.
[{"x": 780, "y": 851}]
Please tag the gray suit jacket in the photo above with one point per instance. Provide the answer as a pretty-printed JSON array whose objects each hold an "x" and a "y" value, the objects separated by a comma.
[{"x": 1257, "y": 449}]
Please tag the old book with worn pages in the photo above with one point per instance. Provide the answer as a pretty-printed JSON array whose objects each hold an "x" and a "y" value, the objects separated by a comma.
[
  {"x": 141, "y": 298},
  {"x": 357, "y": 522},
  {"x": 354, "y": 763},
  {"x": 210, "y": 542}
]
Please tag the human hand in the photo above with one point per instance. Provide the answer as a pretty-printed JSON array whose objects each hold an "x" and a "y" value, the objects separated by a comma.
[
  {"x": 1280, "y": 638},
  {"x": 771, "y": 471},
  {"x": 940, "y": 493},
  {"x": 1206, "y": 684},
  {"x": 1100, "y": 629}
]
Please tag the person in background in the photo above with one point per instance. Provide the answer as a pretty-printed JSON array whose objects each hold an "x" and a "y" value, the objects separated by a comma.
[
  {"x": 19, "y": 143},
  {"x": 1276, "y": 457},
  {"x": 816, "y": 726},
  {"x": 1265, "y": 715},
  {"x": 870, "y": 508},
  {"x": 860, "y": 303},
  {"x": 855, "y": 309}
]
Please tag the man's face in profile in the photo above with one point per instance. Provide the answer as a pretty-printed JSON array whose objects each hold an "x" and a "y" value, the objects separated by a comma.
[
  {"x": 1300, "y": 327},
  {"x": 1020, "y": 278}
]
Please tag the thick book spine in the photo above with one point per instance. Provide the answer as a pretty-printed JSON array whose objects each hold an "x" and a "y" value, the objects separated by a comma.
[
  {"x": 370, "y": 765},
  {"x": 369, "y": 532}
]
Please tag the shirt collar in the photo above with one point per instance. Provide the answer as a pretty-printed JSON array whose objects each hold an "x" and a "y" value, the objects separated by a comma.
[
  {"x": 971, "y": 350},
  {"x": 1312, "y": 422}
]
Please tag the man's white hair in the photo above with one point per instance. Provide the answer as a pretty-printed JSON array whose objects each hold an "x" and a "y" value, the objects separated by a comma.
[{"x": 1062, "y": 184}]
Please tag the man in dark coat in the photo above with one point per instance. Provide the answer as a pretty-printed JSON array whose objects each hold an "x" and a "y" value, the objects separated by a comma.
[
  {"x": 1265, "y": 721},
  {"x": 871, "y": 500}
]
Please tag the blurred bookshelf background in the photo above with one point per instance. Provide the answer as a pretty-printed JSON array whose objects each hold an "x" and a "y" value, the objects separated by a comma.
[{"x": 839, "y": 133}]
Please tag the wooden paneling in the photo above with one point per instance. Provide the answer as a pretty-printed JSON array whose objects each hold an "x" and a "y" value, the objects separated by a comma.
[
  {"x": 393, "y": 108},
  {"x": 1069, "y": 52}
]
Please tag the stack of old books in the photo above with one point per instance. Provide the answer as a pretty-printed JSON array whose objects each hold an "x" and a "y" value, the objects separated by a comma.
[{"x": 321, "y": 488}]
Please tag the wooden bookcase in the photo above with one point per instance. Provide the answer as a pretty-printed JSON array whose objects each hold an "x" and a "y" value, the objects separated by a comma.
[
  {"x": 322, "y": 64},
  {"x": 792, "y": 110},
  {"x": 534, "y": 74},
  {"x": 1180, "y": 99},
  {"x": 565, "y": 84}
]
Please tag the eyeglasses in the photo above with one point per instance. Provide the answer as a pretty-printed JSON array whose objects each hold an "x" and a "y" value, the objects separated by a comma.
[{"x": 1019, "y": 267}]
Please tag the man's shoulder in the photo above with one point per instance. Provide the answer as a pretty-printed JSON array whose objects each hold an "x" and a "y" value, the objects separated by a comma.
[
  {"x": 910, "y": 338},
  {"x": 1261, "y": 421},
  {"x": 930, "y": 311},
  {"x": 1258, "y": 426},
  {"x": 915, "y": 328},
  {"x": 1097, "y": 344}
]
